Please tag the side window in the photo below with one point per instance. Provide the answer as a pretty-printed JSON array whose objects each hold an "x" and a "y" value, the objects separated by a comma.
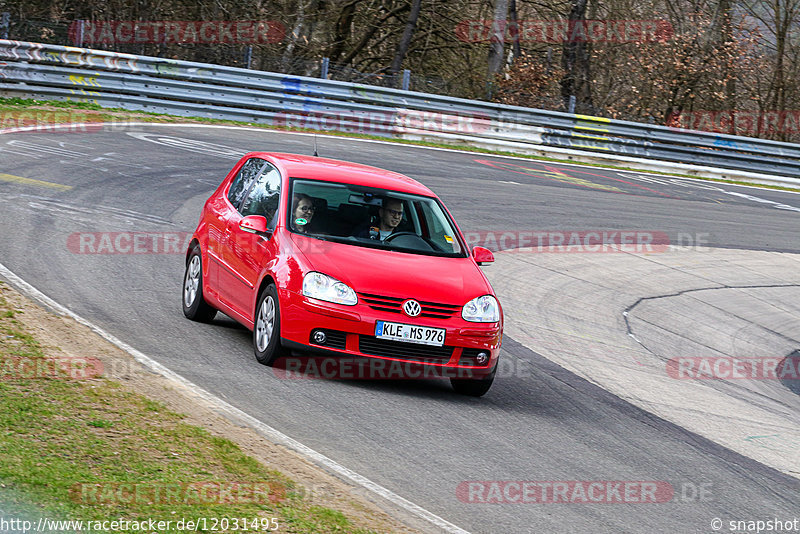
[
  {"x": 264, "y": 196},
  {"x": 438, "y": 228},
  {"x": 244, "y": 180}
]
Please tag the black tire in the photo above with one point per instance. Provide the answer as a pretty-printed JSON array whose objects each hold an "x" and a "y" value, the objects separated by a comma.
[
  {"x": 267, "y": 327},
  {"x": 473, "y": 387},
  {"x": 195, "y": 306}
]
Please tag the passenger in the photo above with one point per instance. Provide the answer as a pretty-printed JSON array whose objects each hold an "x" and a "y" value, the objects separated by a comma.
[
  {"x": 302, "y": 211},
  {"x": 390, "y": 216}
]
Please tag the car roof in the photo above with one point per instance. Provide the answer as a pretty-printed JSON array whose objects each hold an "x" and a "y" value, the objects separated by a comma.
[{"x": 332, "y": 170}]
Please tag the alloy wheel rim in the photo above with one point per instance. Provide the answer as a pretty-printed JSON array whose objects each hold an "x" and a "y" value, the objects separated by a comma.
[
  {"x": 265, "y": 323},
  {"x": 192, "y": 281}
]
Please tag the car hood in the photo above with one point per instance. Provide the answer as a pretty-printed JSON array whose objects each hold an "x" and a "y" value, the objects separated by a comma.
[{"x": 396, "y": 274}]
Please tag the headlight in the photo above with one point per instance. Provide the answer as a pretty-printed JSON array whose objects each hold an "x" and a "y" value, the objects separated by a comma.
[
  {"x": 483, "y": 309},
  {"x": 323, "y": 287}
]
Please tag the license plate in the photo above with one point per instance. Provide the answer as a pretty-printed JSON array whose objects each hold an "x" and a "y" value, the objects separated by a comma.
[{"x": 409, "y": 333}]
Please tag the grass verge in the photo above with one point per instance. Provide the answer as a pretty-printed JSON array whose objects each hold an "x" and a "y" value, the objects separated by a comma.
[{"x": 76, "y": 446}]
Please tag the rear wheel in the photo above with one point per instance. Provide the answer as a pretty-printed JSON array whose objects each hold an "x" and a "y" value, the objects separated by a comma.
[
  {"x": 195, "y": 306},
  {"x": 473, "y": 387},
  {"x": 267, "y": 327}
]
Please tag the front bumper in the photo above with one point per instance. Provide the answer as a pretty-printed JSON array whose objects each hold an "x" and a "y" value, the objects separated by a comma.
[{"x": 350, "y": 332}]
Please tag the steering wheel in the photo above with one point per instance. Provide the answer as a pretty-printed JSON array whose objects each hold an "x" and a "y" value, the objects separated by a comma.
[{"x": 411, "y": 240}]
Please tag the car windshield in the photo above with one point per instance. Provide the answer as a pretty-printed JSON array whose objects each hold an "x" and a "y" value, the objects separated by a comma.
[{"x": 370, "y": 217}]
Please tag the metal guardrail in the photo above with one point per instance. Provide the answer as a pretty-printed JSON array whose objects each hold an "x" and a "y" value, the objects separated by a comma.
[{"x": 34, "y": 70}]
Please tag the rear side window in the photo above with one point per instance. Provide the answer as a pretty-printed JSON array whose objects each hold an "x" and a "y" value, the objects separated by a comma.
[{"x": 244, "y": 181}]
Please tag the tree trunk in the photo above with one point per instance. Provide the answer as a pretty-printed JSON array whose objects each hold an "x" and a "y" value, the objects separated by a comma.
[
  {"x": 726, "y": 37},
  {"x": 575, "y": 61},
  {"x": 344, "y": 25},
  {"x": 515, "y": 29},
  {"x": 496, "y": 44},
  {"x": 297, "y": 31},
  {"x": 405, "y": 40}
]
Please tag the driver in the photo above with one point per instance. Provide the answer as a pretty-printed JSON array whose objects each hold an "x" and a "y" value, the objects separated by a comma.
[{"x": 390, "y": 215}]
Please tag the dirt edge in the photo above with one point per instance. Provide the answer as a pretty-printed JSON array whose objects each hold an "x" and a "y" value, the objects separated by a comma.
[{"x": 63, "y": 336}]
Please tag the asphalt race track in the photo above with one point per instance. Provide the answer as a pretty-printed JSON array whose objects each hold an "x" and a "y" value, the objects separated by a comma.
[{"x": 550, "y": 418}]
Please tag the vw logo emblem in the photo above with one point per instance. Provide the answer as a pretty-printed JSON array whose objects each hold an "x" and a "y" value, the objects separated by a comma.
[{"x": 412, "y": 308}]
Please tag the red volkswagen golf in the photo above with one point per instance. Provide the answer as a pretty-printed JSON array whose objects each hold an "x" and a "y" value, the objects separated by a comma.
[{"x": 320, "y": 255}]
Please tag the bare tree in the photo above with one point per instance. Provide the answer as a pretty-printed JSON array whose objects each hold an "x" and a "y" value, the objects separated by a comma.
[
  {"x": 300, "y": 32},
  {"x": 515, "y": 29},
  {"x": 497, "y": 42},
  {"x": 377, "y": 26},
  {"x": 343, "y": 29},
  {"x": 575, "y": 60},
  {"x": 777, "y": 18},
  {"x": 405, "y": 40}
]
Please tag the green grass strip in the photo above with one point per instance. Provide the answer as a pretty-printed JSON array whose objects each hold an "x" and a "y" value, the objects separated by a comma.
[{"x": 92, "y": 450}]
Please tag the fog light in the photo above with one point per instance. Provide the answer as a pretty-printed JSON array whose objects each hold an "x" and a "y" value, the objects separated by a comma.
[
  {"x": 482, "y": 358},
  {"x": 320, "y": 338}
]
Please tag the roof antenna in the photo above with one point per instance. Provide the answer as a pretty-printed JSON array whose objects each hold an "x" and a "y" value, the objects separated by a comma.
[{"x": 316, "y": 155}]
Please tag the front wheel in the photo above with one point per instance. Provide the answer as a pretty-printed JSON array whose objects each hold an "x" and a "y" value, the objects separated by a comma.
[
  {"x": 267, "y": 327},
  {"x": 473, "y": 387},
  {"x": 195, "y": 306}
]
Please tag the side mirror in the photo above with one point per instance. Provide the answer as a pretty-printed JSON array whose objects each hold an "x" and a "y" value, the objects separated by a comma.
[
  {"x": 255, "y": 224},
  {"x": 482, "y": 255}
]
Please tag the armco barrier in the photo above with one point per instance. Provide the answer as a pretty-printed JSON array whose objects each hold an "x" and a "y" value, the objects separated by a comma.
[{"x": 42, "y": 71}]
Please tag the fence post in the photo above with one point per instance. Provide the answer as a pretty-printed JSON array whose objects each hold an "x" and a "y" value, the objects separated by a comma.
[
  {"x": 5, "y": 20},
  {"x": 406, "y": 79},
  {"x": 324, "y": 70},
  {"x": 572, "y": 101},
  {"x": 79, "y": 33},
  {"x": 248, "y": 55}
]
